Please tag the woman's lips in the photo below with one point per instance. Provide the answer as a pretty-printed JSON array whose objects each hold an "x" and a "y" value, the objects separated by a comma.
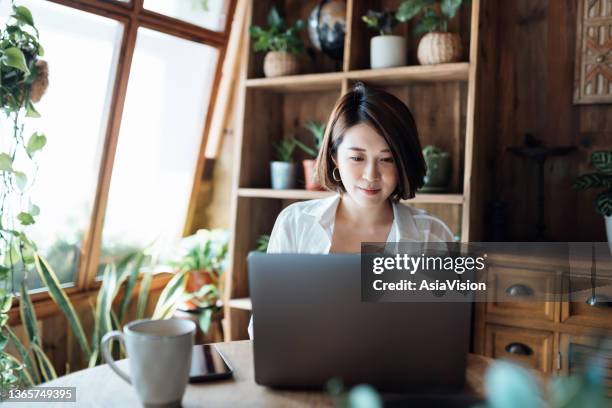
[{"x": 369, "y": 191}]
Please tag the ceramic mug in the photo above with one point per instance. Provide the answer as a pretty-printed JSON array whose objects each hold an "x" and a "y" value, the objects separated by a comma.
[{"x": 159, "y": 355}]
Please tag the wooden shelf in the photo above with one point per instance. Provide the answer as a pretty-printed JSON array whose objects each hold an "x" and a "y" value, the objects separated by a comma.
[
  {"x": 417, "y": 73},
  {"x": 297, "y": 83},
  {"x": 240, "y": 303},
  {"x": 299, "y": 194},
  {"x": 387, "y": 76}
]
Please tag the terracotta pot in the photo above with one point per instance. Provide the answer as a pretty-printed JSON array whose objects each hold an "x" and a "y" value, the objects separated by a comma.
[
  {"x": 195, "y": 281},
  {"x": 280, "y": 63},
  {"x": 439, "y": 48},
  {"x": 309, "y": 179}
]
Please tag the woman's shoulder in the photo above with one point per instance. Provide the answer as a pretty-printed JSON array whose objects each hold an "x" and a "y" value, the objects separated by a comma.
[
  {"x": 313, "y": 207},
  {"x": 425, "y": 222}
]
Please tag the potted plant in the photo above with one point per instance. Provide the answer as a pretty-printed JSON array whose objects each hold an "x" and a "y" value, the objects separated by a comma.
[
  {"x": 317, "y": 130},
  {"x": 262, "y": 243},
  {"x": 438, "y": 170},
  {"x": 203, "y": 258},
  {"x": 438, "y": 46},
  {"x": 283, "y": 171},
  {"x": 386, "y": 50},
  {"x": 281, "y": 43},
  {"x": 601, "y": 178}
]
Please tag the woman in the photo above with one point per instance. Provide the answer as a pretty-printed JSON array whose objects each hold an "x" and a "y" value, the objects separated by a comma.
[{"x": 371, "y": 156}]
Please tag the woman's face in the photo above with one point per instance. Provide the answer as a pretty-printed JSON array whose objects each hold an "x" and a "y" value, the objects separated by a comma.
[{"x": 366, "y": 166}]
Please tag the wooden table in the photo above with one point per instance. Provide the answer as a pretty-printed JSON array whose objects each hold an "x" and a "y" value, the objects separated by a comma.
[{"x": 101, "y": 387}]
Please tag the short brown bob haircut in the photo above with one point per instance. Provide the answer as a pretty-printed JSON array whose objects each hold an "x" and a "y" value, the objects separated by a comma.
[{"x": 392, "y": 119}]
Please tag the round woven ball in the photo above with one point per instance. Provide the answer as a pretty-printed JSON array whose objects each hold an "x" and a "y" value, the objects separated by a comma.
[
  {"x": 280, "y": 63},
  {"x": 439, "y": 48}
]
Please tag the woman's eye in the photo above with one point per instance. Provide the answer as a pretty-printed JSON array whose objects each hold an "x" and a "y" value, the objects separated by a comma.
[
  {"x": 387, "y": 159},
  {"x": 355, "y": 158}
]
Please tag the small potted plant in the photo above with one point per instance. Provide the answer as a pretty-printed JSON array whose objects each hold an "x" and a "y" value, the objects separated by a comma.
[
  {"x": 262, "y": 243},
  {"x": 386, "y": 50},
  {"x": 438, "y": 46},
  {"x": 438, "y": 170},
  {"x": 283, "y": 171},
  {"x": 281, "y": 43},
  {"x": 317, "y": 130},
  {"x": 601, "y": 178},
  {"x": 204, "y": 256}
]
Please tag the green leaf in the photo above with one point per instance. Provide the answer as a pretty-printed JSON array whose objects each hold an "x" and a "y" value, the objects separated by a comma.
[
  {"x": 6, "y": 162},
  {"x": 23, "y": 14},
  {"x": 205, "y": 319},
  {"x": 48, "y": 372},
  {"x": 133, "y": 271},
  {"x": 104, "y": 302},
  {"x": 604, "y": 203},
  {"x": 3, "y": 341},
  {"x": 59, "y": 297},
  {"x": 602, "y": 161},
  {"x": 31, "y": 111},
  {"x": 23, "y": 374},
  {"x": 6, "y": 303},
  {"x": 4, "y": 271},
  {"x": 28, "y": 315},
  {"x": 37, "y": 141},
  {"x": 21, "y": 179},
  {"x": 34, "y": 210},
  {"x": 168, "y": 299},
  {"x": 13, "y": 57},
  {"x": 25, "y": 218},
  {"x": 274, "y": 18},
  {"x": 143, "y": 293},
  {"x": 410, "y": 8},
  {"x": 592, "y": 180},
  {"x": 25, "y": 355},
  {"x": 450, "y": 7}
]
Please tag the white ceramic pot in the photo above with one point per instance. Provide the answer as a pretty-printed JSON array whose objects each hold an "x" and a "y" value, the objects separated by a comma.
[
  {"x": 439, "y": 48},
  {"x": 283, "y": 174},
  {"x": 387, "y": 51},
  {"x": 608, "y": 220}
]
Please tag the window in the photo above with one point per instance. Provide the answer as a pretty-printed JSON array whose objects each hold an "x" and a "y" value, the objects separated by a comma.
[
  {"x": 161, "y": 132},
  {"x": 124, "y": 117}
]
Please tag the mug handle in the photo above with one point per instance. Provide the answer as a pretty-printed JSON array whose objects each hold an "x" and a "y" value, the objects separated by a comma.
[{"x": 108, "y": 337}]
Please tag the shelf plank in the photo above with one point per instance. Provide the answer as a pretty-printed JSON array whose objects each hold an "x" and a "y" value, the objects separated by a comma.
[
  {"x": 299, "y": 194},
  {"x": 458, "y": 71},
  {"x": 240, "y": 303},
  {"x": 298, "y": 83}
]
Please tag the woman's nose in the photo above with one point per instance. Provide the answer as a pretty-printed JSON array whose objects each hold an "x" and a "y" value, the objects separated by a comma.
[{"x": 371, "y": 172}]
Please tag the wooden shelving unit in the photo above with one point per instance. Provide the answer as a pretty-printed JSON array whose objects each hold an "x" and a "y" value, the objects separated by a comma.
[{"x": 443, "y": 99}]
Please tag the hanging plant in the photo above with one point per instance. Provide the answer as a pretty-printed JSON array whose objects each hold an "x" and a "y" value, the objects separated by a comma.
[{"x": 23, "y": 81}]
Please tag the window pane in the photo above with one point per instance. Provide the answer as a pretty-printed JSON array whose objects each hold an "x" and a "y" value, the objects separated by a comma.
[
  {"x": 159, "y": 141},
  {"x": 209, "y": 14},
  {"x": 80, "y": 49}
]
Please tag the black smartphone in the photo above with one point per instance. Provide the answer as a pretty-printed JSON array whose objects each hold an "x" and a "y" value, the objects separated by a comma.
[{"x": 208, "y": 364}]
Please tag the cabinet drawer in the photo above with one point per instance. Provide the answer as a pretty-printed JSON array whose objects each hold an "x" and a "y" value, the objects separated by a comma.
[
  {"x": 578, "y": 311},
  {"x": 513, "y": 292},
  {"x": 531, "y": 348}
]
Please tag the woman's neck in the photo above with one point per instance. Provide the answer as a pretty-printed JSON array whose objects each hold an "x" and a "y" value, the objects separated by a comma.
[{"x": 354, "y": 213}]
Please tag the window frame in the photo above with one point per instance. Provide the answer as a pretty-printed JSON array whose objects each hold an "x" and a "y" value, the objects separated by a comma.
[{"x": 132, "y": 16}]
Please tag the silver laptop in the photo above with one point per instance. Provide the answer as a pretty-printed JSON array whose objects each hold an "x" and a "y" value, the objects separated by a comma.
[{"x": 310, "y": 326}]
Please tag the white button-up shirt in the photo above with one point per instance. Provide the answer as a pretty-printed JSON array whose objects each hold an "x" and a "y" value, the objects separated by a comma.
[{"x": 307, "y": 228}]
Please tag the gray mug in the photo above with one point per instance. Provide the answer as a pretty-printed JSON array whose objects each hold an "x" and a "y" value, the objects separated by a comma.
[{"x": 159, "y": 355}]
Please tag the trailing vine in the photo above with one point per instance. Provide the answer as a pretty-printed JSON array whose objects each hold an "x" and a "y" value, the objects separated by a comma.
[{"x": 23, "y": 81}]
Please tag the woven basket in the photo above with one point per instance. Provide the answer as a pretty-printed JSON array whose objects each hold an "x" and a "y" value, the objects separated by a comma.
[
  {"x": 439, "y": 48},
  {"x": 280, "y": 63}
]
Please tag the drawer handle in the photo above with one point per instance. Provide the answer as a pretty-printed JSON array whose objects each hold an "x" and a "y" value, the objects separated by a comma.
[
  {"x": 599, "y": 301},
  {"x": 519, "y": 290},
  {"x": 519, "y": 349}
]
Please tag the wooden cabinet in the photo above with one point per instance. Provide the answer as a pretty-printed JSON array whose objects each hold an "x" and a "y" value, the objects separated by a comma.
[
  {"x": 531, "y": 348},
  {"x": 443, "y": 99},
  {"x": 554, "y": 336}
]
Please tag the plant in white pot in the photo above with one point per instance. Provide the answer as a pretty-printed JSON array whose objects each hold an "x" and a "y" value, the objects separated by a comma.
[
  {"x": 317, "y": 130},
  {"x": 283, "y": 171},
  {"x": 386, "y": 50},
  {"x": 281, "y": 43},
  {"x": 601, "y": 178},
  {"x": 437, "y": 46}
]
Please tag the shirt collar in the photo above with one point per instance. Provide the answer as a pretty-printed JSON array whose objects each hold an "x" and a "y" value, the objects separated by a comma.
[{"x": 403, "y": 217}]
